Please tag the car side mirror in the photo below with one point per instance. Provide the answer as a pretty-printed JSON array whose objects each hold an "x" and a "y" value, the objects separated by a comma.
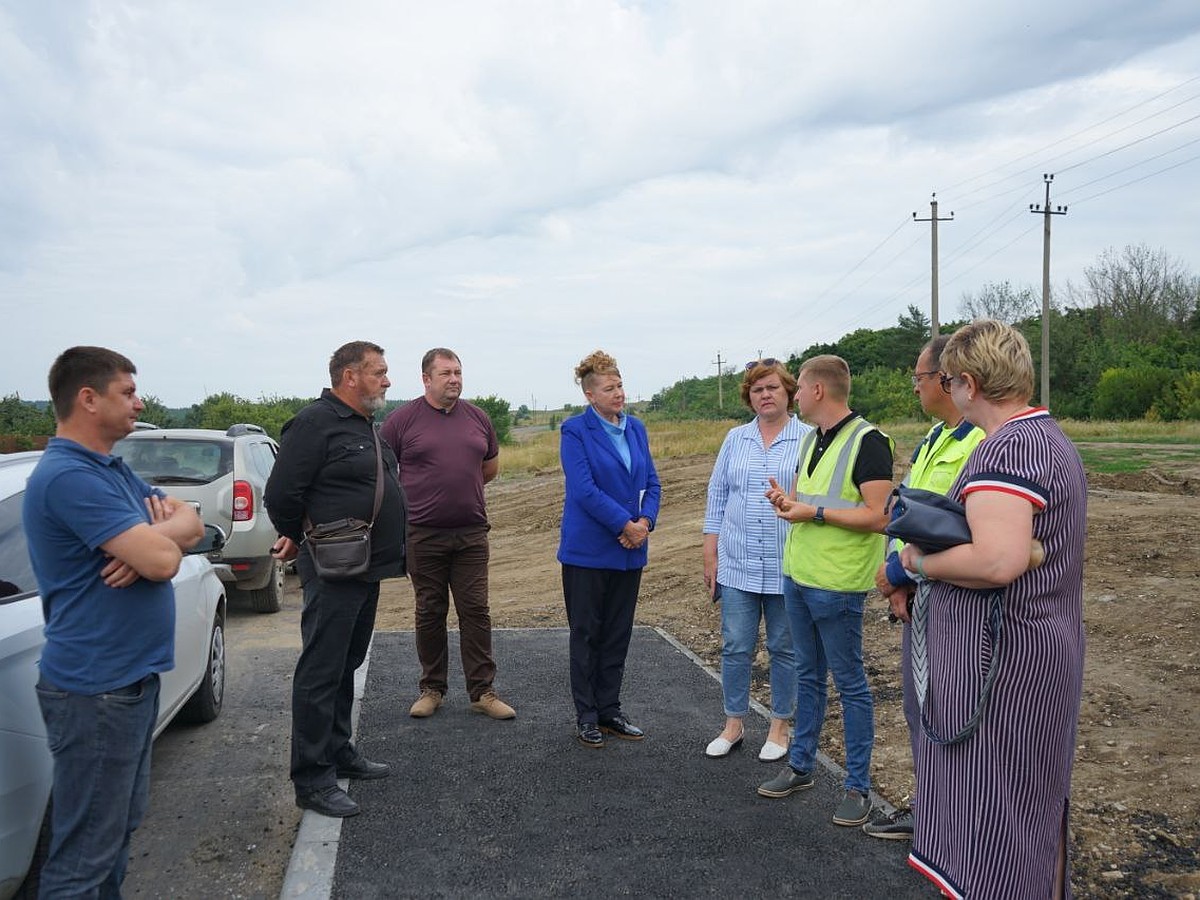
[{"x": 213, "y": 540}]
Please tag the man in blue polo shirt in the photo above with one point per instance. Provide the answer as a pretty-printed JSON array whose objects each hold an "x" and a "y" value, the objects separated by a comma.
[{"x": 104, "y": 547}]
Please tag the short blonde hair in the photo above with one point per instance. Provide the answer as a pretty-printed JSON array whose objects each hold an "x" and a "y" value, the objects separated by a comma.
[
  {"x": 996, "y": 354},
  {"x": 595, "y": 363},
  {"x": 759, "y": 370},
  {"x": 831, "y": 371}
]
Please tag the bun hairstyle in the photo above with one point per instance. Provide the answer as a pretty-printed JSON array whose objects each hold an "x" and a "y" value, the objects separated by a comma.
[{"x": 595, "y": 363}]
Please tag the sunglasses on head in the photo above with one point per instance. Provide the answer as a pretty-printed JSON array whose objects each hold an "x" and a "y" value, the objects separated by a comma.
[{"x": 769, "y": 361}]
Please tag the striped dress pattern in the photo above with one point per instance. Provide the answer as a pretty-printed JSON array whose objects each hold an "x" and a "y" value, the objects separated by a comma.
[{"x": 992, "y": 811}]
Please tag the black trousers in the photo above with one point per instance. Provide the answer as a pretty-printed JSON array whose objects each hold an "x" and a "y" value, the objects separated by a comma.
[
  {"x": 336, "y": 627},
  {"x": 600, "y": 605}
]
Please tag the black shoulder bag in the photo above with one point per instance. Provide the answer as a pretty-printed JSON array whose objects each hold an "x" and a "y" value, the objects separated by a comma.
[{"x": 341, "y": 550}]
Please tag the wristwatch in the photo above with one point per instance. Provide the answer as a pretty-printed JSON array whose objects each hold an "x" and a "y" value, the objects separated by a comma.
[{"x": 819, "y": 516}]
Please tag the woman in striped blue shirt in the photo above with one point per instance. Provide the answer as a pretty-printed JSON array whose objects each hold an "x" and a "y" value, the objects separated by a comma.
[{"x": 743, "y": 550}]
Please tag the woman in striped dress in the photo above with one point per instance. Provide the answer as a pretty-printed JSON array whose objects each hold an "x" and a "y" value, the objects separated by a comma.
[
  {"x": 743, "y": 552},
  {"x": 992, "y": 818}
]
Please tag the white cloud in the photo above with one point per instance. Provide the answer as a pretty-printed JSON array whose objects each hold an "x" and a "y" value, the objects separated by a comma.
[{"x": 527, "y": 180}]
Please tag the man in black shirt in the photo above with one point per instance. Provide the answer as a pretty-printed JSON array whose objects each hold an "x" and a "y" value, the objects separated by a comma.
[
  {"x": 326, "y": 471},
  {"x": 833, "y": 548}
]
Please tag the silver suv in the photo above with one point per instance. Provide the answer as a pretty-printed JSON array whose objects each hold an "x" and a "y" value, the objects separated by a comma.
[{"x": 222, "y": 474}]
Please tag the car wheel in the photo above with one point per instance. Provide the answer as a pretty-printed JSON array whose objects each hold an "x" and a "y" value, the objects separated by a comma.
[
  {"x": 205, "y": 704},
  {"x": 269, "y": 598}
]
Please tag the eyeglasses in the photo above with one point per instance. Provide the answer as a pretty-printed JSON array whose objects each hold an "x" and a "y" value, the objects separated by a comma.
[
  {"x": 947, "y": 381},
  {"x": 769, "y": 361},
  {"x": 916, "y": 379}
]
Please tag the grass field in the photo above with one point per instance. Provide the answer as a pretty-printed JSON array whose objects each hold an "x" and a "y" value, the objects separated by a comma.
[{"x": 1173, "y": 444}]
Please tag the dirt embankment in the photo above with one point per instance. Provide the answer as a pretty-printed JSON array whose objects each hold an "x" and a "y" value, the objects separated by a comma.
[{"x": 1136, "y": 797}]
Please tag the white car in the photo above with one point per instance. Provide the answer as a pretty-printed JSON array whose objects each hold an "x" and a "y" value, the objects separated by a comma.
[
  {"x": 222, "y": 474},
  {"x": 193, "y": 689}
]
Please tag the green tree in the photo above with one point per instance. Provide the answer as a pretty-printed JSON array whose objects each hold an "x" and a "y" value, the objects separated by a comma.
[
  {"x": 1130, "y": 393},
  {"x": 864, "y": 349},
  {"x": 20, "y": 417},
  {"x": 1180, "y": 401},
  {"x": 219, "y": 411},
  {"x": 884, "y": 395},
  {"x": 156, "y": 412},
  {"x": 498, "y": 411}
]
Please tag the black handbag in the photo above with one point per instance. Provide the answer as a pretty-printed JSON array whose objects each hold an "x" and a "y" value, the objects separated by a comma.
[
  {"x": 926, "y": 519},
  {"x": 934, "y": 522},
  {"x": 341, "y": 550}
]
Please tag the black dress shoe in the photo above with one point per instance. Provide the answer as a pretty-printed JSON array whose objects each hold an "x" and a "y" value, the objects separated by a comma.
[
  {"x": 589, "y": 735},
  {"x": 363, "y": 769},
  {"x": 328, "y": 801},
  {"x": 622, "y": 728}
]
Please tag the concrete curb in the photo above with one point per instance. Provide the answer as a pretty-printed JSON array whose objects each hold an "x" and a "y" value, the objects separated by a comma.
[
  {"x": 314, "y": 855},
  {"x": 877, "y": 802}
]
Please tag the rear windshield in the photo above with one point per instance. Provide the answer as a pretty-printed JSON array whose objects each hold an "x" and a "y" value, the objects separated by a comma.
[{"x": 176, "y": 461}]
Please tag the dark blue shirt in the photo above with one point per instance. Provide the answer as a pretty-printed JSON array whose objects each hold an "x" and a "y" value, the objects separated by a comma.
[{"x": 97, "y": 638}]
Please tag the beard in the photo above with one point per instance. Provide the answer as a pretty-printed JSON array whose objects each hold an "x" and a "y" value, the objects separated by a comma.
[{"x": 374, "y": 404}]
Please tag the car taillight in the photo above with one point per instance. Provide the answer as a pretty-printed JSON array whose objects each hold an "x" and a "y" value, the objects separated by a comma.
[{"x": 243, "y": 501}]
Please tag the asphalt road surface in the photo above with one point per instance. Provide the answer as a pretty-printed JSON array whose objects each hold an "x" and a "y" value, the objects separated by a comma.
[
  {"x": 222, "y": 817},
  {"x": 480, "y": 808}
]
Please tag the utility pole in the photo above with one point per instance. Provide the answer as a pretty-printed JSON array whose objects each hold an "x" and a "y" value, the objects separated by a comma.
[
  {"x": 1046, "y": 212},
  {"x": 720, "y": 394},
  {"x": 933, "y": 297}
]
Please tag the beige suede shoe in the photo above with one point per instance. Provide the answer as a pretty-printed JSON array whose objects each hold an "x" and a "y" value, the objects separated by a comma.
[
  {"x": 426, "y": 705},
  {"x": 493, "y": 707}
]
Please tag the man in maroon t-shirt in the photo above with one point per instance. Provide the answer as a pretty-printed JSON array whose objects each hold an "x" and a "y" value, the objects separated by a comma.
[{"x": 447, "y": 450}]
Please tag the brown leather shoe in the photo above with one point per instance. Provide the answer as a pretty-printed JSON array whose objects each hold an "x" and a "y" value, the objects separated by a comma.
[
  {"x": 493, "y": 707},
  {"x": 426, "y": 705}
]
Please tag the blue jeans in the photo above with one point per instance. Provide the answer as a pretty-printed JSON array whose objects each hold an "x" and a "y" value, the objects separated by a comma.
[
  {"x": 740, "y": 615},
  {"x": 827, "y": 634},
  {"x": 101, "y": 748}
]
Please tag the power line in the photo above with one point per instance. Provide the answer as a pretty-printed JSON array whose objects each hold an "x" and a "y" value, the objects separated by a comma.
[
  {"x": 1140, "y": 162},
  {"x": 996, "y": 252},
  {"x": 1130, "y": 144},
  {"x": 1136, "y": 180},
  {"x": 968, "y": 246},
  {"x": 987, "y": 232},
  {"x": 1139, "y": 105},
  {"x": 804, "y": 307}
]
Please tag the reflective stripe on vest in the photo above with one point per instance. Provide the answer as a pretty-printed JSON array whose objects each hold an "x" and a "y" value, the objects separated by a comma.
[{"x": 825, "y": 556}]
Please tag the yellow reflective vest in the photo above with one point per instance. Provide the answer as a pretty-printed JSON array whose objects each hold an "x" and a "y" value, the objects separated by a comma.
[{"x": 826, "y": 556}]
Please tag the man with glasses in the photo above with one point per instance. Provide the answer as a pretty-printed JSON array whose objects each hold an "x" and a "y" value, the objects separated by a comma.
[{"x": 935, "y": 464}]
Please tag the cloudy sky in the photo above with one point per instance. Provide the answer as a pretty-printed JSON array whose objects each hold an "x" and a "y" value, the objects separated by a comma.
[{"x": 226, "y": 191}]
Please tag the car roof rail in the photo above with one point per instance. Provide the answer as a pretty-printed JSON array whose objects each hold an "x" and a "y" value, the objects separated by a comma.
[
  {"x": 244, "y": 428},
  {"x": 144, "y": 426}
]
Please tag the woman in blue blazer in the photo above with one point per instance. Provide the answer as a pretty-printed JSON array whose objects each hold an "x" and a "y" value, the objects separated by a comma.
[{"x": 611, "y": 504}]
